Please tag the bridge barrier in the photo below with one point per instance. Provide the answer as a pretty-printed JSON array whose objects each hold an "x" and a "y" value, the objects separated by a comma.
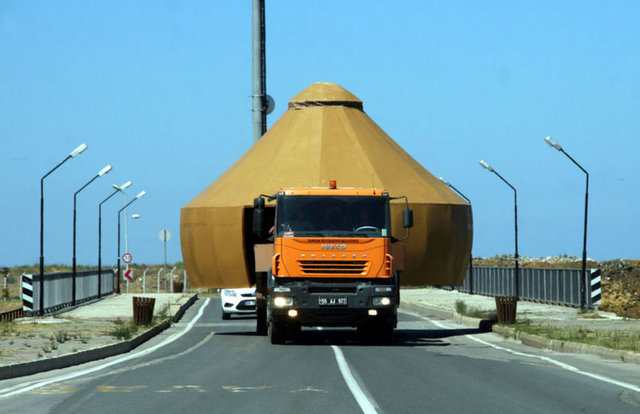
[
  {"x": 58, "y": 289},
  {"x": 542, "y": 285}
]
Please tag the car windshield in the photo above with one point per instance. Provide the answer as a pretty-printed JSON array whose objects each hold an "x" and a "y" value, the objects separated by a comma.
[{"x": 332, "y": 216}]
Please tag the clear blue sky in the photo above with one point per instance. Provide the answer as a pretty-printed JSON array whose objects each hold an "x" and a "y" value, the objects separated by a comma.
[{"x": 160, "y": 90}]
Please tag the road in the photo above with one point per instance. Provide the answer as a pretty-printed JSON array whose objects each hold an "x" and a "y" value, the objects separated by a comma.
[{"x": 205, "y": 364}]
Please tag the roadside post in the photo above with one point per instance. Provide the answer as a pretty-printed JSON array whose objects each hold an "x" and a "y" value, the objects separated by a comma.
[
  {"x": 158, "y": 276},
  {"x": 164, "y": 236},
  {"x": 128, "y": 274},
  {"x": 144, "y": 280}
]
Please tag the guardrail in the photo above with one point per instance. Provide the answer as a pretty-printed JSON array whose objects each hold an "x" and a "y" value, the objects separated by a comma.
[
  {"x": 543, "y": 285},
  {"x": 58, "y": 289},
  {"x": 11, "y": 315}
]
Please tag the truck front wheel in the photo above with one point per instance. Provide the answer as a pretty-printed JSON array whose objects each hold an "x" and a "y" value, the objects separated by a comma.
[
  {"x": 379, "y": 332},
  {"x": 384, "y": 334},
  {"x": 261, "y": 318},
  {"x": 276, "y": 333}
]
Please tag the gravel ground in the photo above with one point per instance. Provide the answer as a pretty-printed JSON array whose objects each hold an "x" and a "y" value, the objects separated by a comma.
[
  {"x": 95, "y": 325},
  {"x": 29, "y": 339}
]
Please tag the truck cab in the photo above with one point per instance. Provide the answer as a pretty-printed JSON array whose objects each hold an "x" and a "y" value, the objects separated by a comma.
[{"x": 331, "y": 263}]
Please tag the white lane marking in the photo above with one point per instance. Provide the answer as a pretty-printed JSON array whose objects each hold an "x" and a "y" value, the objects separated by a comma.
[
  {"x": 7, "y": 391},
  {"x": 552, "y": 361},
  {"x": 366, "y": 403}
]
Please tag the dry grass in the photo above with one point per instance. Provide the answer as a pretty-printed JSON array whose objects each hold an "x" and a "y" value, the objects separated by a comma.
[
  {"x": 9, "y": 305},
  {"x": 621, "y": 341}
]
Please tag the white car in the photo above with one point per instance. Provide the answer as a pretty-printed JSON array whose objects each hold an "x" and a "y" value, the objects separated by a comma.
[{"x": 238, "y": 301}]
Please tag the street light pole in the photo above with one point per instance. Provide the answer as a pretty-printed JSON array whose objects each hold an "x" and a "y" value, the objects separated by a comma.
[
  {"x": 583, "y": 279},
  {"x": 102, "y": 172},
  {"x": 73, "y": 154},
  {"x": 448, "y": 184},
  {"x": 140, "y": 194},
  {"x": 126, "y": 237},
  {"x": 117, "y": 189},
  {"x": 259, "y": 94},
  {"x": 515, "y": 207},
  {"x": 126, "y": 230}
]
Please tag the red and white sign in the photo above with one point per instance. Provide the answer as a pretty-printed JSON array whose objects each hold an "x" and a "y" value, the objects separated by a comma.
[
  {"x": 127, "y": 258},
  {"x": 128, "y": 274}
]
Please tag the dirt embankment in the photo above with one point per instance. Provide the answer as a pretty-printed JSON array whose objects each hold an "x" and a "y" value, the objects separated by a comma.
[
  {"x": 620, "y": 278},
  {"x": 621, "y": 287}
]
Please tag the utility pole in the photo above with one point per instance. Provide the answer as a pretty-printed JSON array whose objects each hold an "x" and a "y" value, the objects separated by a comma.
[{"x": 259, "y": 88}]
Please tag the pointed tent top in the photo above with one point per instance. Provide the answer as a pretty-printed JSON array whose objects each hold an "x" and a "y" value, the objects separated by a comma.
[{"x": 325, "y": 94}]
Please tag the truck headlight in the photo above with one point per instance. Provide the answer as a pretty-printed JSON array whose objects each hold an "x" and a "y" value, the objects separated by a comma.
[
  {"x": 382, "y": 301},
  {"x": 281, "y": 301}
]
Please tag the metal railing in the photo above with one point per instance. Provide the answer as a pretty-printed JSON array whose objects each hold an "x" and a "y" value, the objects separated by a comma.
[
  {"x": 58, "y": 292},
  {"x": 543, "y": 285}
]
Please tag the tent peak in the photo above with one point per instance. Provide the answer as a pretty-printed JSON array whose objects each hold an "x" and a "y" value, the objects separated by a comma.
[{"x": 325, "y": 94}]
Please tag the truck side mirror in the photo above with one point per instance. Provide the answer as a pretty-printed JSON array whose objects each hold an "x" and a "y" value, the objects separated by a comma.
[
  {"x": 258, "y": 215},
  {"x": 407, "y": 218}
]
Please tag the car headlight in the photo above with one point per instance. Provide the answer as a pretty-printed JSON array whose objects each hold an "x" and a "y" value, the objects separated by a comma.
[
  {"x": 281, "y": 301},
  {"x": 382, "y": 301},
  {"x": 229, "y": 292}
]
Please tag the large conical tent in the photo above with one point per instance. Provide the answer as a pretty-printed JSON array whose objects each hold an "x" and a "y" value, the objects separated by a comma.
[{"x": 325, "y": 135}]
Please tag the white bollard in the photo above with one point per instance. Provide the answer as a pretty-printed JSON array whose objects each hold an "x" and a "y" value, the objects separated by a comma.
[{"x": 144, "y": 280}]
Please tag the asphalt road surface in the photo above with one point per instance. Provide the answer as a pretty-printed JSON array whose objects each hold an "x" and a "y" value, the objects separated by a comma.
[{"x": 205, "y": 364}]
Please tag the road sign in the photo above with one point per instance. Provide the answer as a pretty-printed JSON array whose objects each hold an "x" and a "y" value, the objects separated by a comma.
[
  {"x": 164, "y": 235},
  {"x": 127, "y": 258},
  {"x": 128, "y": 274}
]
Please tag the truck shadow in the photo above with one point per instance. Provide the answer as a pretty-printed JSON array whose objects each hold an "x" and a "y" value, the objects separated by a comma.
[
  {"x": 350, "y": 337},
  {"x": 429, "y": 337}
]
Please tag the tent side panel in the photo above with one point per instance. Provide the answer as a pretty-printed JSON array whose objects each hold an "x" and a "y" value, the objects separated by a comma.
[
  {"x": 212, "y": 247},
  {"x": 437, "y": 251}
]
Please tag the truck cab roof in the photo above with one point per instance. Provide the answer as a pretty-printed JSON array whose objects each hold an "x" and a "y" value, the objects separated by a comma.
[{"x": 338, "y": 191}]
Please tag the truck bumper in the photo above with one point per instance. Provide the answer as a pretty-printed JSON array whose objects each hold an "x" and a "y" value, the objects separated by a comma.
[{"x": 334, "y": 304}]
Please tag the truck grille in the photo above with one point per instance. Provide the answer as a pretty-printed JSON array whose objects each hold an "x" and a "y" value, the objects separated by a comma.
[{"x": 335, "y": 267}]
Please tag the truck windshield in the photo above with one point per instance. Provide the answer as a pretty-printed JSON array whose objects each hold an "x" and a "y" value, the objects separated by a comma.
[{"x": 332, "y": 216}]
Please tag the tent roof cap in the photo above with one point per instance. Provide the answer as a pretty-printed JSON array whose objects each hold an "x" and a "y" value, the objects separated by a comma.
[{"x": 325, "y": 94}]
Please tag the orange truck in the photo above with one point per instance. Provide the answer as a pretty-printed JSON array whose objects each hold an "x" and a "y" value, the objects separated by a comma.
[{"x": 331, "y": 261}]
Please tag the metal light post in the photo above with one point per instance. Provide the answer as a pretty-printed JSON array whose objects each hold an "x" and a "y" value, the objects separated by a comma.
[
  {"x": 73, "y": 154},
  {"x": 515, "y": 205},
  {"x": 126, "y": 238},
  {"x": 102, "y": 172},
  {"x": 583, "y": 280},
  {"x": 126, "y": 230},
  {"x": 448, "y": 184},
  {"x": 117, "y": 190},
  {"x": 140, "y": 194},
  {"x": 259, "y": 71}
]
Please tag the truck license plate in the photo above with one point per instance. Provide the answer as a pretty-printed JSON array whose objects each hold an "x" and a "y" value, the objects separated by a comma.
[{"x": 332, "y": 301}]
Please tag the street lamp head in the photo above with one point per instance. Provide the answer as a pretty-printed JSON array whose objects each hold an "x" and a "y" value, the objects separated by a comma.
[
  {"x": 552, "y": 143},
  {"x": 104, "y": 170},
  {"x": 78, "y": 150},
  {"x": 485, "y": 165},
  {"x": 141, "y": 194},
  {"x": 445, "y": 182},
  {"x": 123, "y": 186}
]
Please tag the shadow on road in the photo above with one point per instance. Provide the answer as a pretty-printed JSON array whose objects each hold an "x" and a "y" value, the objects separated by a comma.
[{"x": 348, "y": 337}]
